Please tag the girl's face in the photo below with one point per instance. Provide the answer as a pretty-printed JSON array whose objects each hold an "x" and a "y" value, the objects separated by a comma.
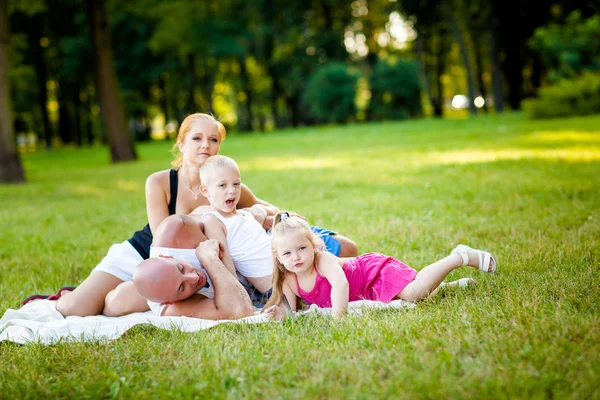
[
  {"x": 296, "y": 252},
  {"x": 201, "y": 141}
]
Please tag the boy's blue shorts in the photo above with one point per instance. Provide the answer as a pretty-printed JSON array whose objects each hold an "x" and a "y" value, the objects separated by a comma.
[{"x": 332, "y": 244}]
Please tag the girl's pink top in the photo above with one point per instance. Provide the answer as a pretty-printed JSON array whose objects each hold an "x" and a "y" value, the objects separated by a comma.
[{"x": 372, "y": 276}]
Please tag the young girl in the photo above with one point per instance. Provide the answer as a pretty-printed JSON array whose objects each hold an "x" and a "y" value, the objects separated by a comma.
[{"x": 301, "y": 269}]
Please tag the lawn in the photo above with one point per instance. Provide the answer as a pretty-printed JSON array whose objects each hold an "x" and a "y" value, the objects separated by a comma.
[{"x": 528, "y": 191}]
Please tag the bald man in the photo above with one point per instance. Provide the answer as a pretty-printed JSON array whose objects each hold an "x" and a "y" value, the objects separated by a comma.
[{"x": 174, "y": 283}]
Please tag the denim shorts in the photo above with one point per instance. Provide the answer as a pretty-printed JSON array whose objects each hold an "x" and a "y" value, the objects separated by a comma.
[{"x": 332, "y": 244}]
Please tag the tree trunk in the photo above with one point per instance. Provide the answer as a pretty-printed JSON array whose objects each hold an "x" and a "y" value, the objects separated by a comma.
[
  {"x": 164, "y": 100},
  {"x": 464, "y": 54},
  {"x": 190, "y": 100},
  {"x": 479, "y": 67},
  {"x": 421, "y": 58},
  {"x": 121, "y": 144},
  {"x": 440, "y": 66},
  {"x": 65, "y": 117},
  {"x": 77, "y": 116},
  {"x": 42, "y": 78},
  {"x": 496, "y": 74},
  {"x": 247, "y": 89},
  {"x": 11, "y": 169}
]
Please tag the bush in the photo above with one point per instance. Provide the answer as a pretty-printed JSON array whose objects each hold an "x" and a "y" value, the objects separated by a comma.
[
  {"x": 570, "y": 48},
  {"x": 395, "y": 90},
  {"x": 331, "y": 92},
  {"x": 568, "y": 97}
]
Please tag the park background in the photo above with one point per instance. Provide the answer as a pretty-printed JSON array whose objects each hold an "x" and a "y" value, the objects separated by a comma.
[{"x": 409, "y": 126}]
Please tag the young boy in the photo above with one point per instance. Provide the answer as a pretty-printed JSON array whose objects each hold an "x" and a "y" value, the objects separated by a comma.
[{"x": 247, "y": 245}]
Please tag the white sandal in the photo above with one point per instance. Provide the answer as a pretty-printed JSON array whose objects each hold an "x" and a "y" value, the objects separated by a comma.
[{"x": 483, "y": 256}]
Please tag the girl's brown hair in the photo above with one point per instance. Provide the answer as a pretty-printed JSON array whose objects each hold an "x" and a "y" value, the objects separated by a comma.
[
  {"x": 184, "y": 129},
  {"x": 283, "y": 223}
]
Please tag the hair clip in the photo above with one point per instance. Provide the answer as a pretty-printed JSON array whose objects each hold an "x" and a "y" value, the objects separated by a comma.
[{"x": 284, "y": 216}]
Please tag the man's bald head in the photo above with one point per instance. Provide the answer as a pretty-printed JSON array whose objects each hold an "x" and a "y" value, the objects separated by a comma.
[{"x": 166, "y": 279}]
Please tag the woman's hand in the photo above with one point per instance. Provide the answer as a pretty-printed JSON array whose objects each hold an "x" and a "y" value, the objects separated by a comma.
[{"x": 259, "y": 212}]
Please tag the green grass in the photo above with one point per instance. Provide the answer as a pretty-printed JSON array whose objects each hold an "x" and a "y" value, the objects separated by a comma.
[{"x": 529, "y": 191}]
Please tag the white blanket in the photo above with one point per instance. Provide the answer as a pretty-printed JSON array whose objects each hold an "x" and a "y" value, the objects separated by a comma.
[{"x": 39, "y": 322}]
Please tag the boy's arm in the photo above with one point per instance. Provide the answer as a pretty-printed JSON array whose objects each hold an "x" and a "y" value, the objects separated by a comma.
[
  {"x": 214, "y": 228},
  {"x": 328, "y": 266}
]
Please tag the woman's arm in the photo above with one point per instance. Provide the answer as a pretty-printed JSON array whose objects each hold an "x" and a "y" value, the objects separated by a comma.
[
  {"x": 157, "y": 203},
  {"x": 260, "y": 209},
  {"x": 329, "y": 266}
]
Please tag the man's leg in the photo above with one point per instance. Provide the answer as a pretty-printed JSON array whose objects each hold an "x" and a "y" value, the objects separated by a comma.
[{"x": 124, "y": 299}]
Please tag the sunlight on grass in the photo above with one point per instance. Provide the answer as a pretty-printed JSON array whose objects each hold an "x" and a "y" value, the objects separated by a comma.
[
  {"x": 88, "y": 190},
  {"x": 129, "y": 186},
  {"x": 287, "y": 163},
  {"x": 563, "y": 136},
  {"x": 572, "y": 154}
]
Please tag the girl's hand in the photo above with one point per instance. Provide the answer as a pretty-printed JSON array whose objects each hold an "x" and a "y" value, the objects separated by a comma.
[{"x": 275, "y": 313}]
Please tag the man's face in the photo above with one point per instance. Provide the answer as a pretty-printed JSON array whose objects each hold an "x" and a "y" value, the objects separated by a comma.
[{"x": 178, "y": 280}]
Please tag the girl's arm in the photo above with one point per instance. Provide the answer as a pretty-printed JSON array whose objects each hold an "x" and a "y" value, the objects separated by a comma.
[
  {"x": 278, "y": 311},
  {"x": 157, "y": 204},
  {"x": 290, "y": 291},
  {"x": 329, "y": 267}
]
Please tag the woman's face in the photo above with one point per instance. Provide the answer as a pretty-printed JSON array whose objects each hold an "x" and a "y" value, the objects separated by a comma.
[{"x": 202, "y": 141}]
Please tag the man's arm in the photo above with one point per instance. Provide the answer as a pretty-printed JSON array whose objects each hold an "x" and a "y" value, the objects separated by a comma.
[{"x": 231, "y": 299}]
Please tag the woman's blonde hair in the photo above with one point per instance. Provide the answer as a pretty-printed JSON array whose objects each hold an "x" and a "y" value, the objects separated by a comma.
[
  {"x": 284, "y": 223},
  {"x": 184, "y": 129}
]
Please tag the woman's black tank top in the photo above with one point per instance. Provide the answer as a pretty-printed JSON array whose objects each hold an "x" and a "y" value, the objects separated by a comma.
[{"x": 142, "y": 239}]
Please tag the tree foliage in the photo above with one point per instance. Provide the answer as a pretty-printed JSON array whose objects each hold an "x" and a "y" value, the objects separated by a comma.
[
  {"x": 570, "y": 48},
  {"x": 331, "y": 93},
  {"x": 395, "y": 90}
]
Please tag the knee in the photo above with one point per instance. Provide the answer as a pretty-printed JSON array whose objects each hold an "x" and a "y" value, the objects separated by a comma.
[
  {"x": 71, "y": 305},
  {"x": 111, "y": 304},
  {"x": 347, "y": 247}
]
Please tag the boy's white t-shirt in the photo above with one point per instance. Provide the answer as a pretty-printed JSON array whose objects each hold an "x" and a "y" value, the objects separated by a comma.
[{"x": 248, "y": 244}]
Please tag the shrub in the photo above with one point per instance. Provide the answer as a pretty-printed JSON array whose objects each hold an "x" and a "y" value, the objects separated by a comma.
[
  {"x": 395, "y": 90},
  {"x": 570, "y": 48},
  {"x": 331, "y": 91},
  {"x": 568, "y": 97}
]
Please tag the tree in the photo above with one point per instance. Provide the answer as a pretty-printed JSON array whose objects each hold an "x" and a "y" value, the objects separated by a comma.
[
  {"x": 121, "y": 144},
  {"x": 458, "y": 36},
  {"x": 11, "y": 169}
]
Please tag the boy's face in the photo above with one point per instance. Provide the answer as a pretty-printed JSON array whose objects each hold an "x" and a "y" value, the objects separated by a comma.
[{"x": 223, "y": 189}]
